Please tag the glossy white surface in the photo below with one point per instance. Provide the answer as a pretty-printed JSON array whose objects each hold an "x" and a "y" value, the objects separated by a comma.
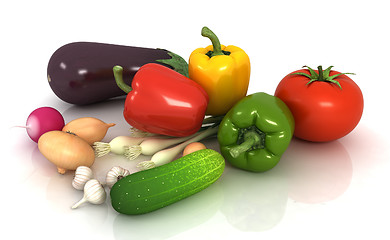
[{"x": 318, "y": 191}]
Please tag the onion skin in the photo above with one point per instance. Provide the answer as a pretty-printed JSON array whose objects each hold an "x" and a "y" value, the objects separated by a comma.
[
  {"x": 66, "y": 150},
  {"x": 88, "y": 128}
]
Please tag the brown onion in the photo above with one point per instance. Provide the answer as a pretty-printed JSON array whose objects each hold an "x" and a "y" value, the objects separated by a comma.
[
  {"x": 88, "y": 128},
  {"x": 66, "y": 150}
]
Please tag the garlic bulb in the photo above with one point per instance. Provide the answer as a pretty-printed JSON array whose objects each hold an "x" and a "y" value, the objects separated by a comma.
[
  {"x": 115, "y": 174},
  {"x": 82, "y": 175},
  {"x": 93, "y": 193}
]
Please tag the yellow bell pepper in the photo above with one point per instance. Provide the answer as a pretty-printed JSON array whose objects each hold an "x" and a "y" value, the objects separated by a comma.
[{"x": 223, "y": 72}]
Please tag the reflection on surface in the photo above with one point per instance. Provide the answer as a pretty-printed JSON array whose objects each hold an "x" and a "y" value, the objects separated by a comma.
[
  {"x": 61, "y": 196},
  {"x": 171, "y": 220},
  {"x": 254, "y": 201},
  {"x": 250, "y": 202},
  {"x": 41, "y": 165},
  {"x": 318, "y": 172},
  {"x": 60, "y": 193}
]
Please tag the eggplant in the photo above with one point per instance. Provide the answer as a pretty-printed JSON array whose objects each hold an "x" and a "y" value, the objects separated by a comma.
[{"x": 81, "y": 72}]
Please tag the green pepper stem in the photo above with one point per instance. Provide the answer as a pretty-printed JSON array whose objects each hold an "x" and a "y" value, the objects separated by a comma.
[
  {"x": 118, "y": 75},
  {"x": 251, "y": 139},
  {"x": 217, "y": 50}
]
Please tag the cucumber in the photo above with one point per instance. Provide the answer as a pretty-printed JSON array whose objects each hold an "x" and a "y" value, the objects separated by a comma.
[{"x": 155, "y": 188}]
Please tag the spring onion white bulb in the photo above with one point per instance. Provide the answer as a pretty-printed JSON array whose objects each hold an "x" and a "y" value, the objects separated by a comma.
[
  {"x": 152, "y": 145},
  {"x": 167, "y": 155},
  {"x": 116, "y": 145}
]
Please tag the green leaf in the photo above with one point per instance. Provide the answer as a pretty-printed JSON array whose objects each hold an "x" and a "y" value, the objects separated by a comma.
[
  {"x": 301, "y": 73},
  {"x": 336, "y": 82},
  {"x": 336, "y": 75},
  {"x": 327, "y": 72},
  {"x": 313, "y": 80},
  {"x": 313, "y": 74}
]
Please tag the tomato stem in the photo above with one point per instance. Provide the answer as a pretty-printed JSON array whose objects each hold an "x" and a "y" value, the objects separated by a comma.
[{"x": 322, "y": 75}]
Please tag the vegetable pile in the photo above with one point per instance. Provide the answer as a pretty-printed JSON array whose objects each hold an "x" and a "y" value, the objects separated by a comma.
[{"x": 171, "y": 107}]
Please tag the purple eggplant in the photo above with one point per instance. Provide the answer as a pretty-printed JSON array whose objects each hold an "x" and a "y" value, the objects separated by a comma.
[{"x": 81, "y": 72}]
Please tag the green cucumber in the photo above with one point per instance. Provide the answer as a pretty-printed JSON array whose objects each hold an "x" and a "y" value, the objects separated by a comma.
[{"x": 152, "y": 189}]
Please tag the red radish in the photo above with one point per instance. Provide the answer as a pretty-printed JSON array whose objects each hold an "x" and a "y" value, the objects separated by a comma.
[{"x": 43, "y": 120}]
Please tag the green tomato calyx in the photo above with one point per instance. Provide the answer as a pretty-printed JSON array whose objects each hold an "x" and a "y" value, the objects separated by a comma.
[{"x": 322, "y": 75}]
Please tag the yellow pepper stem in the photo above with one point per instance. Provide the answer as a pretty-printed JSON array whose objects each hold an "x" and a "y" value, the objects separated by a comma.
[{"x": 217, "y": 50}]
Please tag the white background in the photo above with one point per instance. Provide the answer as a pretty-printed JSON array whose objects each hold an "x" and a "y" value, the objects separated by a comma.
[{"x": 317, "y": 191}]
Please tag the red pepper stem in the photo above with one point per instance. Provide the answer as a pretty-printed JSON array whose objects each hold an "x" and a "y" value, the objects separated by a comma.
[
  {"x": 217, "y": 50},
  {"x": 251, "y": 139},
  {"x": 118, "y": 75}
]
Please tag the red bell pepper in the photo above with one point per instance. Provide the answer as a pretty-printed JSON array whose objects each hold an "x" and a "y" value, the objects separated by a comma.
[{"x": 163, "y": 101}]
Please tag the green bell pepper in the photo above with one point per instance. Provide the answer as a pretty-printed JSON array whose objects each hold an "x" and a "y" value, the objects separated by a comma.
[{"x": 255, "y": 133}]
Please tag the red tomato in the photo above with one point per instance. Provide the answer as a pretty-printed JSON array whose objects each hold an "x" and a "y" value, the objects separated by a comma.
[{"x": 323, "y": 110}]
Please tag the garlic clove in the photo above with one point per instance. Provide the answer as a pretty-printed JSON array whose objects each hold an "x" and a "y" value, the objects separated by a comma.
[
  {"x": 93, "y": 193},
  {"x": 115, "y": 174},
  {"x": 82, "y": 175}
]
